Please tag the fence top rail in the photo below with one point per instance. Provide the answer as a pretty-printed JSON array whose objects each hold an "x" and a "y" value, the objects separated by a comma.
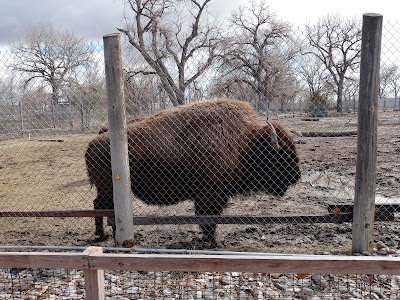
[
  {"x": 317, "y": 264},
  {"x": 43, "y": 260}
]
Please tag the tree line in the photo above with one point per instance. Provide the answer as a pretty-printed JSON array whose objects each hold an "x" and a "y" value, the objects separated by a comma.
[{"x": 179, "y": 51}]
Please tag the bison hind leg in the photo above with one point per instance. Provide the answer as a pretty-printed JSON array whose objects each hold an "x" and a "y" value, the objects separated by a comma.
[
  {"x": 210, "y": 206},
  {"x": 101, "y": 202},
  {"x": 98, "y": 224},
  {"x": 209, "y": 232}
]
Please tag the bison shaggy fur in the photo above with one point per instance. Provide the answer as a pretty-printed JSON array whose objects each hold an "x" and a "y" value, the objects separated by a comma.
[{"x": 205, "y": 151}]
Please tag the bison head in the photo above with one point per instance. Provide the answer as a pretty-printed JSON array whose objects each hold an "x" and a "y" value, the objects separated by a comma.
[{"x": 271, "y": 165}]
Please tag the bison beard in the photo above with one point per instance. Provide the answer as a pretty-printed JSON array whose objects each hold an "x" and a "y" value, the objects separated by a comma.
[{"x": 205, "y": 151}]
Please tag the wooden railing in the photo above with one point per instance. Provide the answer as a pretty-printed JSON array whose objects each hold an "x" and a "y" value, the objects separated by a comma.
[{"x": 93, "y": 261}]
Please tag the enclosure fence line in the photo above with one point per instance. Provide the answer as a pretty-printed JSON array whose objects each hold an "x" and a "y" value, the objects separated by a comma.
[
  {"x": 94, "y": 262},
  {"x": 363, "y": 218},
  {"x": 46, "y": 196}
]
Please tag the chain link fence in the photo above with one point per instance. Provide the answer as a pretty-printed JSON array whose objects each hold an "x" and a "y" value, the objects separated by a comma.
[
  {"x": 43, "y": 144},
  {"x": 69, "y": 284}
]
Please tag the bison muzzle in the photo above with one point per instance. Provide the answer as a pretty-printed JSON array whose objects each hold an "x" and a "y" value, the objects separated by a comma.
[{"x": 206, "y": 152}]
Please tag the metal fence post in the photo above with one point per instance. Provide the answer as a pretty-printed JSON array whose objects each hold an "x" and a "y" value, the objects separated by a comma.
[
  {"x": 118, "y": 141},
  {"x": 365, "y": 183}
]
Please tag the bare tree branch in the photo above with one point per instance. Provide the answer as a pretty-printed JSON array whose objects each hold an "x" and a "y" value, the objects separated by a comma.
[
  {"x": 261, "y": 51},
  {"x": 336, "y": 42},
  {"x": 170, "y": 35},
  {"x": 50, "y": 57}
]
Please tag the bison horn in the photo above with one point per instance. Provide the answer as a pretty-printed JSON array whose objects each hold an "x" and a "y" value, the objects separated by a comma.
[{"x": 274, "y": 136}]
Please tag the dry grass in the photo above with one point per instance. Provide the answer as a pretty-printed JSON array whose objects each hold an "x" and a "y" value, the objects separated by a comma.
[{"x": 44, "y": 175}]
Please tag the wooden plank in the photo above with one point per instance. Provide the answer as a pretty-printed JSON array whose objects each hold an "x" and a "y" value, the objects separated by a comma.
[
  {"x": 310, "y": 119},
  {"x": 43, "y": 260},
  {"x": 383, "y": 212},
  {"x": 365, "y": 181},
  {"x": 301, "y": 219},
  {"x": 254, "y": 220},
  {"x": 94, "y": 278},
  {"x": 327, "y": 133},
  {"x": 318, "y": 264},
  {"x": 57, "y": 213},
  {"x": 118, "y": 140},
  {"x": 211, "y": 220},
  {"x": 93, "y": 260}
]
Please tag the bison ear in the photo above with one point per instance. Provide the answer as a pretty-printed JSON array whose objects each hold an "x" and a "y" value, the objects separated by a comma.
[{"x": 269, "y": 133}]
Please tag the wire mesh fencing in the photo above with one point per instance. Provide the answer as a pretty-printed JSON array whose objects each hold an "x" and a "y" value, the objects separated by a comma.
[
  {"x": 43, "y": 144},
  {"x": 69, "y": 284}
]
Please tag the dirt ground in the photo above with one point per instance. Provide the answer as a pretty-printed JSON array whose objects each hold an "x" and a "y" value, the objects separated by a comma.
[{"x": 45, "y": 173}]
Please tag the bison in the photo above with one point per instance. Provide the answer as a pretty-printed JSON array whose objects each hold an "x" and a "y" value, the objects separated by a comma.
[
  {"x": 105, "y": 128},
  {"x": 205, "y": 151}
]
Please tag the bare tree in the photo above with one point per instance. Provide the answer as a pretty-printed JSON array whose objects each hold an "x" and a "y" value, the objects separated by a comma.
[
  {"x": 85, "y": 89},
  {"x": 389, "y": 82},
  {"x": 386, "y": 76},
  {"x": 350, "y": 92},
  {"x": 9, "y": 91},
  {"x": 336, "y": 43},
  {"x": 315, "y": 78},
  {"x": 176, "y": 39},
  {"x": 313, "y": 75},
  {"x": 49, "y": 57},
  {"x": 395, "y": 85},
  {"x": 143, "y": 95},
  {"x": 260, "y": 52}
]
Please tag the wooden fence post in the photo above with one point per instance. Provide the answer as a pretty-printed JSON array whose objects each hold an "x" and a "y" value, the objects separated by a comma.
[
  {"x": 94, "y": 279},
  {"x": 118, "y": 141},
  {"x": 365, "y": 183}
]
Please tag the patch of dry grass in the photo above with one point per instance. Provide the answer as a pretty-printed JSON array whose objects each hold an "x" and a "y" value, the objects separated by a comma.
[{"x": 44, "y": 175}]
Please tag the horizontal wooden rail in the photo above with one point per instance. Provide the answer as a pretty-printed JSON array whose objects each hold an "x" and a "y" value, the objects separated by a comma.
[
  {"x": 57, "y": 213},
  {"x": 211, "y": 220},
  {"x": 43, "y": 260},
  {"x": 317, "y": 264},
  {"x": 93, "y": 260},
  {"x": 339, "y": 214},
  {"x": 204, "y": 220}
]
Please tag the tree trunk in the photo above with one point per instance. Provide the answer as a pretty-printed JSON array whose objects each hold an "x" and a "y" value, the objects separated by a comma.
[
  {"x": 54, "y": 102},
  {"x": 180, "y": 97},
  {"x": 339, "y": 104}
]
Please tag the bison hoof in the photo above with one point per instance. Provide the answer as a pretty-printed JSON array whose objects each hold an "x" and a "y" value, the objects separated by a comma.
[
  {"x": 204, "y": 244},
  {"x": 212, "y": 244},
  {"x": 101, "y": 237}
]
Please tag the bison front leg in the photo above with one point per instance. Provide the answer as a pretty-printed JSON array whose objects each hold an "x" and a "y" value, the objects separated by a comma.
[
  {"x": 209, "y": 207},
  {"x": 98, "y": 221}
]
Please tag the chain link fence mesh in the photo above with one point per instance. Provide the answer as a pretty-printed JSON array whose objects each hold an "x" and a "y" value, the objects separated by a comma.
[
  {"x": 43, "y": 145},
  {"x": 70, "y": 284}
]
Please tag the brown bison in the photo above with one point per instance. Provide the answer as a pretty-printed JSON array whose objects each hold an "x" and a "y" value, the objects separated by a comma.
[
  {"x": 206, "y": 152},
  {"x": 105, "y": 128}
]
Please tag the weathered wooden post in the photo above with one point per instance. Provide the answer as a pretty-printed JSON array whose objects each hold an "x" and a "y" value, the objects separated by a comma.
[
  {"x": 365, "y": 185},
  {"x": 94, "y": 279},
  {"x": 118, "y": 141}
]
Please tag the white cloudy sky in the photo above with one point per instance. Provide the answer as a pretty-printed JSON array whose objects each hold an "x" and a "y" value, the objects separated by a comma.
[{"x": 94, "y": 18}]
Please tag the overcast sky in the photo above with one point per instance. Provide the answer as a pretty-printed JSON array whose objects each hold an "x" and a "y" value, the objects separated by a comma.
[{"x": 92, "y": 19}]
